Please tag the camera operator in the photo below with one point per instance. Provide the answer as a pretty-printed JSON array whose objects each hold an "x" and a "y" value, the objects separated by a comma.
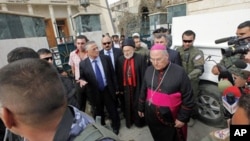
[
  {"x": 244, "y": 32},
  {"x": 226, "y": 69},
  {"x": 238, "y": 78}
]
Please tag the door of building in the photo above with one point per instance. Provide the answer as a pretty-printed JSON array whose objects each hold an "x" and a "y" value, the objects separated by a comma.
[{"x": 61, "y": 26}]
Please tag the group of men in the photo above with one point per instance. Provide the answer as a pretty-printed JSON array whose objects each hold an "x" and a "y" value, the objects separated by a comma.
[
  {"x": 157, "y": 87},
  {"x": 115, "y": 77},
  {"x": 108, "y": 79}
]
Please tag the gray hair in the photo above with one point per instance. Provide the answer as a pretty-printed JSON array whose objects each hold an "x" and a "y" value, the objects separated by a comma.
[
  {"x": 166, "y": 36},
  {"x": 87, "y": 45}
]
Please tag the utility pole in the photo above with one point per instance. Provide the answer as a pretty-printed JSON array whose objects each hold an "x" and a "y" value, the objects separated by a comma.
[{"x": 110, "y": 16}]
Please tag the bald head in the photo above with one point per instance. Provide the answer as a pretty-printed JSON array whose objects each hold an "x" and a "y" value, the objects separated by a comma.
[{"x": 106, "y": 43}]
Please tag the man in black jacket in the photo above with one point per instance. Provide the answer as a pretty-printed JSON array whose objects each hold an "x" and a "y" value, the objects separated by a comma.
[
  {"x": 109, "y": 50},
  {"x": 114, "y": 54},
  {"x": 69, "y": 86},
  {"x": 97, "y": 74},
  {"x": 163, "y": 39}
]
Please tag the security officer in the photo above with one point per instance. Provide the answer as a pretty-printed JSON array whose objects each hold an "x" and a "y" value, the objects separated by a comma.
[{"x": 193, "y": 62}]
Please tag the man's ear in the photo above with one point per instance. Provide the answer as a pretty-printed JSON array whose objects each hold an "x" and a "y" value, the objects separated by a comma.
[{"x": 7, "y": 117}]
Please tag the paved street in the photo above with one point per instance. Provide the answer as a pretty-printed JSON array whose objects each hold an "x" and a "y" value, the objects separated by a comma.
[{"x": 195, "y": 133}]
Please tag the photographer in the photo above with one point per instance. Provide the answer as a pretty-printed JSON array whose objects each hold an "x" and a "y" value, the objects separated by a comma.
[
  {"x": 243, "y": 31},
  {"x": 227, "y": 69}
]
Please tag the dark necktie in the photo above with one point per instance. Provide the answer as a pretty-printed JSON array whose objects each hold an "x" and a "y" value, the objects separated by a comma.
[
  {"x": 109, "y": 54},
  {"x": 98, "y": 75}
]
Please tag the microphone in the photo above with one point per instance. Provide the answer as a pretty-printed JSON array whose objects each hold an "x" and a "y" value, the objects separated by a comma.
[
  {"x": 222, "y": 40},
  {"x": 230, "y": 98},
  {"x": 240, "y": 64}
]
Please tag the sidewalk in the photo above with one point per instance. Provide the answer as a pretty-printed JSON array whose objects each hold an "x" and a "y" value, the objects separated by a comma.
[
  {"x": 195, "y": 133},
  {"x": 134, "y": 133}
]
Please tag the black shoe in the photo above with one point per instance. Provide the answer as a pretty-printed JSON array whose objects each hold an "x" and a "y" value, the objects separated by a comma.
[{"x": 116, "y": 131}]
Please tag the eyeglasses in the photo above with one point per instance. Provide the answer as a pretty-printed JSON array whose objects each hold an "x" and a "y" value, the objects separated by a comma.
[
  {"x": 107, "y": 43},
  {"x": 187, "y": 41},
  {"x": 48, "y": 58}
]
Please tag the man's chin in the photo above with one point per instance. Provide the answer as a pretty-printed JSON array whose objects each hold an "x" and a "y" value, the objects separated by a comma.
[
  {"x": 128, "y": 57},
  {"x": 157, "y": 68}
]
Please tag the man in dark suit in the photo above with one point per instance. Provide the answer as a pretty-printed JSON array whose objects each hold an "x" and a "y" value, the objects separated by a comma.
[
  {"x": 96, "y": 73},
  {"x": 163, "y": 39},
  {"x": 114, "y": 54},
  {"x": 108, "y": 50}
]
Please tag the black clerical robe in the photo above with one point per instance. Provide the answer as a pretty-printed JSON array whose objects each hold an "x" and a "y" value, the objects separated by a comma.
[
  {"x": 166, "y": 95},
  {"x": 131, "y": 93}
]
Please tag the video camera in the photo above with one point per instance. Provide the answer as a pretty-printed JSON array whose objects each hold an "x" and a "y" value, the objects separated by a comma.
[{"x": 236, "y": 45}]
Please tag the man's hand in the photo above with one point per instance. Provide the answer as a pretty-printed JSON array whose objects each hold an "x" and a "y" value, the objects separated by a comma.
[
  {"x": 178, "y": 124},
  {"x": 82, "y": 82},
  {"x": 215, "y": 70},
  {"x": 239, "y": 81},
  {"x": 141, "y": 114}
]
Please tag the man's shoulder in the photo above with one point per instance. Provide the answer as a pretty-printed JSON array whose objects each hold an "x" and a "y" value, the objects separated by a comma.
[
  {"x": 117, "y": 50},
  {"x": 138, "y": 56},
  {"x": 150, "y": 69},
  {"x": 142, "y": 49},
  {"x": 177, "y": 67},
  {"x": 101, "y": 51},
  {"x": 172, "y": 51},
  {"x": 73, "y": 52},
  {"x": 197, "y": 49},
  {"x": 96, "y": 132},
  {"x": 84, "y": 61},
  {"x": 104, "y": 57},
  {"x": 179, "y": 48}
]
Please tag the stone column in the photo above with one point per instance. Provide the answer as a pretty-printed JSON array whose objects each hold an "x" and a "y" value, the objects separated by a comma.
[
  {"x": 4, "y": 7},
  {"x": 53, "y": 20},
  {"x": 69, "y": 19},
  {"x": 30, "y": 9}
]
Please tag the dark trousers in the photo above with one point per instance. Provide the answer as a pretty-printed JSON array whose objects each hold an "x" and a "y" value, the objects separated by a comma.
[
  {"x": 2, "y": 130},
  {"x": 104, "y": 98},
  {"x": 81, "y": 97},
  {"x": 120, "y": 103},
  {"x": 159, "y": 131},
  {"x": 196, "y": 91}
]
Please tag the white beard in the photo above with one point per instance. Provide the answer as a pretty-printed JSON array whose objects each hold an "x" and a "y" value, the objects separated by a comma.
[{"x": 129, "y": 56}]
